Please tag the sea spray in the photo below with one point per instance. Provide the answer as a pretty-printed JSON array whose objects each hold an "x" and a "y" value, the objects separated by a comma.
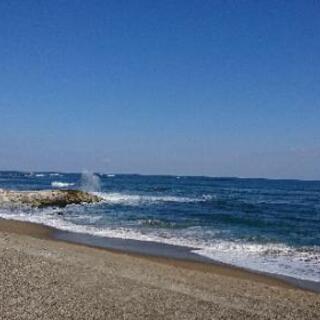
[{"x": 90, "y": 182}]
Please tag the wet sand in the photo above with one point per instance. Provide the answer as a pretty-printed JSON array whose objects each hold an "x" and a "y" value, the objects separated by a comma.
[{"x": 42, "y": 278}]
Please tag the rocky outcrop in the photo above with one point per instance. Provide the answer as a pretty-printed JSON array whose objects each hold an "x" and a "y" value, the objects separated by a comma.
[{"x": 46, "y": 198}]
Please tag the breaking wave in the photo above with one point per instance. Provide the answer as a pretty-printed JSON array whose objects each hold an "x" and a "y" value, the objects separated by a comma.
[
  {"x": 55, "y": 174},
  {"x": 136, "y": 199},
  {"x": 59, "y": 184},
  {"x": 276, "y": 258},
  {"x": 301, "y": 263},
  {"x": 264, "y": 225}
]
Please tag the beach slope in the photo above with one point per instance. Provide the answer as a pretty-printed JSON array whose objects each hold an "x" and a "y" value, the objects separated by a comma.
[{"x": 46, "y": 279}]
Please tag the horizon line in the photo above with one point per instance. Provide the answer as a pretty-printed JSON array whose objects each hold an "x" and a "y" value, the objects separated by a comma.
[{"x": 161, "y": 175}]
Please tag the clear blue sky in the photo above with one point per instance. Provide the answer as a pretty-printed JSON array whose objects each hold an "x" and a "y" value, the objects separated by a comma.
[{"x": 220, "y": 88}]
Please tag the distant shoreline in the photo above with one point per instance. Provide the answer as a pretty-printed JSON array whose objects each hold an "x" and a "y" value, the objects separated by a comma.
[{"x": 113, "y": 174}]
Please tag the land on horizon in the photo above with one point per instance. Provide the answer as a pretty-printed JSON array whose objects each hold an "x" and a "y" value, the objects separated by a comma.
[{"x": 150, "y": 174}]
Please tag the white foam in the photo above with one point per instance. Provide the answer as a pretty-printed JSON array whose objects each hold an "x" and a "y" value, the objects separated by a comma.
[
  {"x": 40, "y": 175},
  {"x": 50, "y": 217},
  {"x": 59, "y": 184},
  {"x": 84, "y": 218},
  {"x": 135, "y": 199},
  {"x": 277, "y": 258}
]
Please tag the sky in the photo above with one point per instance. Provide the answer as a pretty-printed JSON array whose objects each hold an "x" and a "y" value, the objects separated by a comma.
[{"x": 217, "y": 88}]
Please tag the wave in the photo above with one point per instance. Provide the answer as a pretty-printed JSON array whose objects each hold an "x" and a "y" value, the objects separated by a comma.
[
  {"x": 135, "y": 199},
  {"x": 54, "y": 174},
  {"x": 280, "y": 259},
  {"x": 58, "y": 184},
  {"x": 276, "y": 258},
  {"x": 157, "y": 223}
]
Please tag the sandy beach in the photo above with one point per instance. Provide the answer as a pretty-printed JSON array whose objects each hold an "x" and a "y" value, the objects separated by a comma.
[
  {"x": 46, "y": 279},
  {"x": 159, "y": 160}
]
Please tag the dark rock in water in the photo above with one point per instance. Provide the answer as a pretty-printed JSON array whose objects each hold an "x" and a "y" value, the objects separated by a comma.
[{"x": 46, "y": 198}]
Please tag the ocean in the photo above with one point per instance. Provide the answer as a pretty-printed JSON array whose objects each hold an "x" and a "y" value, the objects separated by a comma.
[{"x": 263, "y": 225}]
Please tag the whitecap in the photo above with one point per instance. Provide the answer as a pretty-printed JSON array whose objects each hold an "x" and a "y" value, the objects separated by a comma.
[
  {"x": 136, "y": 199},
  {"x": 276, "y": 258},
  {"x": 59, "y": 184},
  {"x": 55, "y": 174}
]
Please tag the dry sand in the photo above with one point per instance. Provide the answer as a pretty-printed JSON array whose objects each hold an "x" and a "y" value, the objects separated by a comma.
[{"x": 45, "y": 279}]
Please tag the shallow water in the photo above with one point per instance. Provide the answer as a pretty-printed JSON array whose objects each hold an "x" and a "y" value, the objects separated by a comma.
[{"x": 265, "y": 225}]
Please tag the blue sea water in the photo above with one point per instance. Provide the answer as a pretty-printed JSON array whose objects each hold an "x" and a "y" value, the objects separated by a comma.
[{"x": 265, "y": 225}]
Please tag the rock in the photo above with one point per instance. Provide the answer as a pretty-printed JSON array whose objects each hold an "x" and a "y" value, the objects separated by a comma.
[{"x": 46, "y": 198}]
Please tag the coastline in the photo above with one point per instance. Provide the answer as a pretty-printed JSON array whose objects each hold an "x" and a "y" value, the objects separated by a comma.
[
  {"x": 176, "y": 256},
  {"x": 72, "y": 280}
]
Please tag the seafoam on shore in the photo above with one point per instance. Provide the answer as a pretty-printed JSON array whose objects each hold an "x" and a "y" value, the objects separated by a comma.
[
  {"x": 263, "y": 225},
  {"x": 46, "y": 279}
]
